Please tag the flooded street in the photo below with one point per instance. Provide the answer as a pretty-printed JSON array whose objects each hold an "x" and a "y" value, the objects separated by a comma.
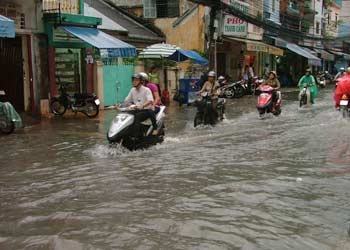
[{"x": 279, "y": 183}]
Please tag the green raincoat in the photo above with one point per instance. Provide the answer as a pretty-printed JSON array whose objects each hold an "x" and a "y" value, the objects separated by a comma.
[
  {"x": 9, "y": 111},
  {"x": 310, "y": 81}
]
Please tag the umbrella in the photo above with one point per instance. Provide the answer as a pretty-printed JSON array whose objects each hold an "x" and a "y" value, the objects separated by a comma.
[
  {"x": 158, "y": 51},
  {"x": 183, "y": 55}
]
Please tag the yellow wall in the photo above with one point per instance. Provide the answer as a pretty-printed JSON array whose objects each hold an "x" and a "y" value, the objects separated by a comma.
[{"x": 189, "y": 34}]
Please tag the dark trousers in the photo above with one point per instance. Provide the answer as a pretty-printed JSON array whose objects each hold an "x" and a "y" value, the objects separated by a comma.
[{"x": 143, "y": 115}]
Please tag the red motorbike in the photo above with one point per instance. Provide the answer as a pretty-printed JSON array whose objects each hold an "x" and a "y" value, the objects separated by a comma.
[{"x": 269, "y": 101}]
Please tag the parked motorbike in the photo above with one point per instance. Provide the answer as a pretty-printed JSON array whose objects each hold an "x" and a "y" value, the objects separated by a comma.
[
  {"x": 233, "y": 90},
  {"x": 305, "y": 97},
  {"x": 266, "y": 104},
  {"x": 88, "y": 104},
  {"x": 205, "y": 114},
  {"x": 324, "y": 78},
  {"x": 122, "y": 130},
  {"x": 344, "y": 106},
  {"x": 7, "y": 121}
]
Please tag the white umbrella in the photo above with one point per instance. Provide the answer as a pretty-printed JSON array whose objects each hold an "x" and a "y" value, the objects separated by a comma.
[{"x": 158, "y": 51}]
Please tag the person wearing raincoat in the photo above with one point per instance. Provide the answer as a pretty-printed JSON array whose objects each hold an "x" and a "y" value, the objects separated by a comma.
[
  {"x": 343, "y": 87},
  {"x": 309, "y": 80}
]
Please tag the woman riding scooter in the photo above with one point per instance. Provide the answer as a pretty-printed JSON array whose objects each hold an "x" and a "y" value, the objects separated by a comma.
[{"x": 274, "y": 83}]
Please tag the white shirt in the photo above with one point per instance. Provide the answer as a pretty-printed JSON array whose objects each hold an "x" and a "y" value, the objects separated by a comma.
[{"x": 140, "y": 96}]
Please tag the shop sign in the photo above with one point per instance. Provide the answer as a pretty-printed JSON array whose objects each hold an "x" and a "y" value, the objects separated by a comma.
[
  {"x": 276, "y": 51},
  {"x": 258, "y": 47},
  {"x": 234, "y": 26}
]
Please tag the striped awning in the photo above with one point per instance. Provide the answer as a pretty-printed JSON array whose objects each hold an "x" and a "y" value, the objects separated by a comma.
[
  {"x": 158, "y": 51},
  {"x": 108, "y": 45}
]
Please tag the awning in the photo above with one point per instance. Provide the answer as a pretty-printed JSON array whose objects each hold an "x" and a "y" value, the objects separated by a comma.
[
  {"x": 183, "y": 55},
  {"x": 108, "y": 45},
  {"x": 158, "y": 51},
  {"x": 312, "y": 59},
  {"x": 338, "y": 53},
  {"x": 7, "y": 27},
  {"x": 258, "y": 46},
  {"x": 325, "y": 55}
]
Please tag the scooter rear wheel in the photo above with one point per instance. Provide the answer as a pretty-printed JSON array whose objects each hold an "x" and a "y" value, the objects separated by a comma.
[
  {"x": 57, "y": 107},
  {"x": 197, "y": 120},
  {"x": 345, "y": 112},
  {"x": 239, "y": 91}
]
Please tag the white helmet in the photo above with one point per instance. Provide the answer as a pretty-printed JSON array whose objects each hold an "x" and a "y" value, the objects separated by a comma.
[
  {"x": 342, "y": 69},
  {"x": 144, "y": 76},
  {"x": 211, "y": 74},
  {"x": 348, "y": 70},
  {"x": 221, "y": 78}
]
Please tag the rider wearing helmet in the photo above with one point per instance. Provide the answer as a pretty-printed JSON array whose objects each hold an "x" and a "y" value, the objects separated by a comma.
[
  {"x": 221, "y": 81},
  {"x": 273, "y": 82},
  {"x": 153, "y": 87},
  {"x": 340, "y": 73},
  {"x": 309, "y": 80},
  {"x": 343, "y": 87},
  {"x": 210, "y": 86},
  {"x": 142, "y": 97}
]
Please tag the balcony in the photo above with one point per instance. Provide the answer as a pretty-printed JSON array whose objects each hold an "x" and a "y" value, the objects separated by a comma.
[{"x": 61, "y": 6}]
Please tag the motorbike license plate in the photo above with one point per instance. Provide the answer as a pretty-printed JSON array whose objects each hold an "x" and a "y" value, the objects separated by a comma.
[
  {"x": 344, "y": 103},
  {"x": 97, "y": 102}
]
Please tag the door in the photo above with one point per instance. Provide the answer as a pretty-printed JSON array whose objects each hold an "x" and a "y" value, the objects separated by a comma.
[
  {"x": 221, "y": 64},
  {"x": 117, "y": 81},
  {"x": 11, "y": 65}
]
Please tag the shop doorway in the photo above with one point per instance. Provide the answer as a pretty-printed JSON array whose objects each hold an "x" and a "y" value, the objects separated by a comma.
[
  {"x": 221, "y": 59},
  {"x": 11, "y": 64},
  {"x": 68, "y": 69}
]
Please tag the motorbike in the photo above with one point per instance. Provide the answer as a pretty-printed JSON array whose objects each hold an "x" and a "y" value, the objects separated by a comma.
[
  {"x": 7, "y": 122},
  {"x": 122, "y": 130},
  {"x": 344, "y": 107},
  {"x": 305, "y": 97},
  {"x": 233, "y": 90},
  {"x": 88, "y": 104},
  {"x": 324, "y": 78},
  {"x": 205, "y": 114},
  {"x": 266, "y": 104}
]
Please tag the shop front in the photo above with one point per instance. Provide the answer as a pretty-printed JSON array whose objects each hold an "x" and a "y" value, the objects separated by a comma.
[
  {"x": 75, "y": 46},
  {"x": 237, "y": 53}
]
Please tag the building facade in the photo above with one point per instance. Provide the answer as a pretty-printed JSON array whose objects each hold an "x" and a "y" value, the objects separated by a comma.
[{"x": 22, "y": 57}]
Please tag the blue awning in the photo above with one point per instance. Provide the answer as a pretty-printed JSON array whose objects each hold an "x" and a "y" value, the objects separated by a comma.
[
  {"x": 7, "y": 27},
  {"x": 183, "y": 55},
  {"x": 109, "y": 45}
]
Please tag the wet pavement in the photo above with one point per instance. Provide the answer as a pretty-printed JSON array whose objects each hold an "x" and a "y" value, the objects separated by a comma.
[{"x": 279, "y": 183}]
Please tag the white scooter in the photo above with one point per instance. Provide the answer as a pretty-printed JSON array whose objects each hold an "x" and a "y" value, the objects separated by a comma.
[{"x": 122, "y": 130}]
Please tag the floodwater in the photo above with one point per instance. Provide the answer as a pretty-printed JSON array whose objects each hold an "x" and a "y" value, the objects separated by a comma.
[{"x": 278, "y": 183}]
